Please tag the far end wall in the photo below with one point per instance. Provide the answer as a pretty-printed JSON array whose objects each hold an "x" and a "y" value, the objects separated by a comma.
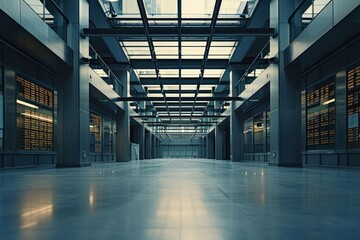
[{"x": 183, "y": 148}]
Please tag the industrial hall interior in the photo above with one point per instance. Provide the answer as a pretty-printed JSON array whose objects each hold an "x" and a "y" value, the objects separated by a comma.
[{"x": 179, "y": 119}]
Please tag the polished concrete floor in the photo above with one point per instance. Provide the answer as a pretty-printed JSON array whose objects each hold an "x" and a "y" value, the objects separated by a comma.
[{"x": 174, "y": 199}]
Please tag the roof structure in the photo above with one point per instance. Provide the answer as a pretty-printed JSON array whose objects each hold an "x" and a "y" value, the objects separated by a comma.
[{"x": 180, "y": 51}]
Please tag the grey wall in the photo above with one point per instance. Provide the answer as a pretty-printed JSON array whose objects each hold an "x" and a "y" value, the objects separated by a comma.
[{"x": 182, "y": 148}]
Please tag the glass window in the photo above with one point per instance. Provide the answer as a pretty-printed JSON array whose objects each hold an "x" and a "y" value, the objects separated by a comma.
[
  {"x": 199, "y": 8},
  {"x": 108, "y": 136},
  {"x": 320, "y": 116},
  {"x": 267, "y": 131},
  {"x": 259, "y": 139},
  {"x": 248, "y": 130},
  {"x": 1, "y": 110},
  {"x": 353, "y": 107},
  {"x": 95, "y": 133},
  {"x": 34, "y": 108}
]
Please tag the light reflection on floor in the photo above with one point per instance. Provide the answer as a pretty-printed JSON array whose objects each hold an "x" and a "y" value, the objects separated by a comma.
[{"x": 181, "y": 200}]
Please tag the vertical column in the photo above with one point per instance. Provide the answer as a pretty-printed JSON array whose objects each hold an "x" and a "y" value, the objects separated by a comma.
[
  {"x": 73, "y": 118},
  {"x": 147, "y": 144},
  {"x": 123, "y": 121},
  {"x": 218, "y": 143},
  {"x": 141, "y": 140},
  {"x": 284, "y": 93},
  {"x": 210, "y": 145},
  {"x": 159, "y": 149},
  {"x": 10, "y": 113},
  {"x": 152, "y": 144},
  {"x": 236, "y": 124}
]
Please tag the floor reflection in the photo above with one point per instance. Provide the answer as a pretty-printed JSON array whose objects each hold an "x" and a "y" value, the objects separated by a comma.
[
  {"x": 179, "y": 200},
  {"x": 37, "y": 207}
]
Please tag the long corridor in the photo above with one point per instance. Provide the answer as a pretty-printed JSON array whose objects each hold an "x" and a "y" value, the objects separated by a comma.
[{"x": 175, "y": 199}]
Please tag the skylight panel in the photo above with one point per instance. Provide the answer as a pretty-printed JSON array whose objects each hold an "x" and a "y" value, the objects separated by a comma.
[
  {"x": 232, "y": 7},
  {"x": 156, "y": 87},
  {"x": 166, "y": 50},
  {"x": 193, "y": 43},
  {"x": 130, "y": 7},
  {"x": 165, "y": 44},
  {"x": 154, "y": 95},
  {"x": 220, "y": 50},
  {"x": 213, "y": 72},
  {"x": 193, "y": 50},
  {"x": 160, "y": 7},
  {"x": 204, "y": 94},
  {"x": 188, "y": 87},
  {"x": 223, "y": 44},
  {"x": 135, "y": 44},
  {"x": 198, "y": 8},
  {"x": 191, "y": 73},
  {"x": 206, "y": 87},
  {"x": 138, "y": 50},
  {"x": 171, "y": 87},
  {"x": 146, "y": 73},
  {"x": 164, "y": 56}
]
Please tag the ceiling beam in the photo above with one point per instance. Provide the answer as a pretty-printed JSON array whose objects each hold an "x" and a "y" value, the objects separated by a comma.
[
  {"x": 186, "y": 31},
  {"x": 145, "y": 22},
  {"x": 173, "y": 64},
  {"x": 177, "y": 116},
  {"x": 184, "y": 104},
  {"x": 177, "y": 91},
  {"x": 175, "y": 81},
  {"x": 207, "y": 48},
  {"x": 184, "y": 99},
  {"x": 177, "y": 109}
]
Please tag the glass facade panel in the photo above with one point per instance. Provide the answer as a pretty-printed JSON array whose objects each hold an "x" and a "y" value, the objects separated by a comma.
[
  {"x": 248, "y": 136},
  {"x": 95, "y": 133},
  {"x": 108, "y": 136},
  {"x": 34, "y": 108},
  {"x": 267, "y": 131},
  {"x": 320, "y": 116},
  {"x": 198, "y": 8},
  {"x": 259, "y": 136},
  {"x": 1, "y": 110},
  {"x": 353, "y": 107}
]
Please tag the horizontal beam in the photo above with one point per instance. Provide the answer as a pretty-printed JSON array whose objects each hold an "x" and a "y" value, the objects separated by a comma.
[
  {"x": 234, "y": 17},
  {"x": 174, "y": 63},
  {"x": 185, "y": 99},
  {"x": 182, "y": 116},
  {"x": 177, "y": 91},
  {"x": 183, "y": 122},
  {"x": 183, "y": 109},
  {"x": 175, "y": 81},
  {"x": 186, "y": 31},
  {"x": 183, "y": 104}
]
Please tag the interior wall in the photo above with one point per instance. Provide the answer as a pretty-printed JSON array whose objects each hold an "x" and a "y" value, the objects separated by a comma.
[
  {"x": 182, "y": 148},
  {"x": 334, "y": 68}
]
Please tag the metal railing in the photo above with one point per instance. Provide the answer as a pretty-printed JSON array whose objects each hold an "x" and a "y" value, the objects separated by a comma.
[
  {"x": 103, "y": 71},
  {"x": 51, "y": 14},
  {"x": 259, "y": 64},
  {"x": 303, "y": 15}
]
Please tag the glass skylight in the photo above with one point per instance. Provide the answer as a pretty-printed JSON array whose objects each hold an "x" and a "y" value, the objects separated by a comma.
[
  {"x": 163, "y": 13},
  {"x": 197, "y": 8},
  {"x": 146, "y": 73},
  {"x": 178, "y": 95},
  {"x": 155, "y": 95},
  {"x": 165, "y": 44},
  {"x": 208, "y": 73}
]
